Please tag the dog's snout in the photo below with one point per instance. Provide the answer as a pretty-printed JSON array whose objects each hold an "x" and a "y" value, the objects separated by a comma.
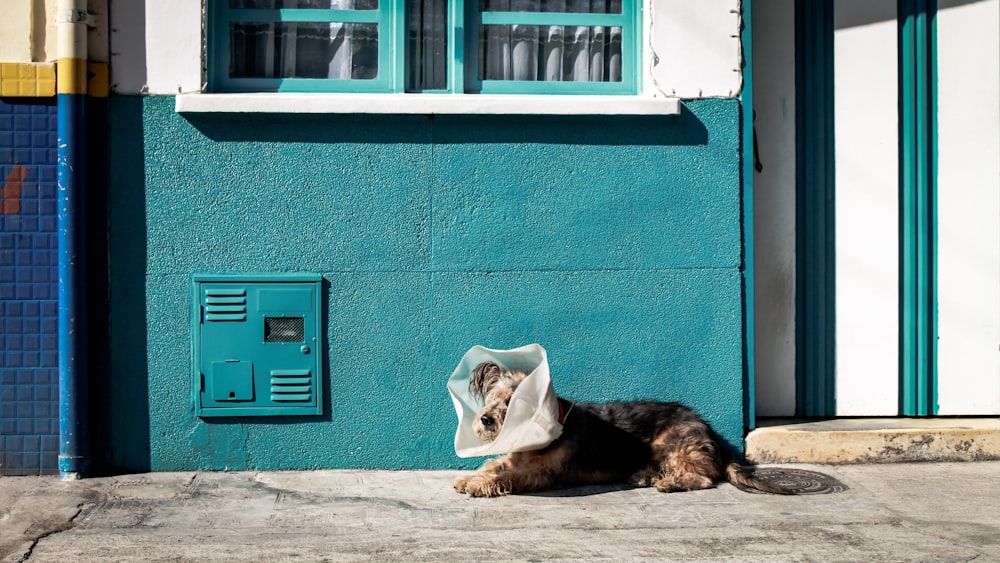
[{"x": 486, "y": 419}]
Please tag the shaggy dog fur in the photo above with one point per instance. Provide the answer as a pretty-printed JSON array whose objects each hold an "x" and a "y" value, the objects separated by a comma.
[{"x": 643, "y": 443}]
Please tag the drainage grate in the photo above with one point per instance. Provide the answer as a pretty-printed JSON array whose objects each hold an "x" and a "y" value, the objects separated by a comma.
[{"x": 797, "y": 481}]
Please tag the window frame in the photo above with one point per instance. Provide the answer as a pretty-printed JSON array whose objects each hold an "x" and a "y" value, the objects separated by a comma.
[
  {"x": 630, "y": 22},
  {"x": 220, "y": 17},
  {"x": 391, "y": 17}
]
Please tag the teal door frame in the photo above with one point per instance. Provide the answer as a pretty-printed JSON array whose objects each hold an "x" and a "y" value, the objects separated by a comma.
[
  {"x": 815, "y": 297},
  {"x": 917, "y": 207},
  {"x": 748, "y": 153},
  {"x": 815, "y": 322}
]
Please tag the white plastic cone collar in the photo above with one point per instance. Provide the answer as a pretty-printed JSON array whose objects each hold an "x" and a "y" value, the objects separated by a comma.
[{"x": 532, "y": 420}]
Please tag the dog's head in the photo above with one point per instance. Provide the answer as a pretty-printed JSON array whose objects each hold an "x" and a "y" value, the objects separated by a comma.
[{"x": 495, "y": 385}]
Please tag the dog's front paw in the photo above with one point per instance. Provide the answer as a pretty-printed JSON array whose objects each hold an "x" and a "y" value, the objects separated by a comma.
[
  {"x": 461, "y": 483},
  {"x": 688, "y": 481},
  {"x": 479, "y": 486}
]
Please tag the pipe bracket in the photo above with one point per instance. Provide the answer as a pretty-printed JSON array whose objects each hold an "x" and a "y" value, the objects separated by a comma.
[{"x": 76, "y": 16}]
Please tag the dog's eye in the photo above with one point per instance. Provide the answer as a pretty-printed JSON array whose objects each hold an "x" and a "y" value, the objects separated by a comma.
[{"x": 486, "y": 419}]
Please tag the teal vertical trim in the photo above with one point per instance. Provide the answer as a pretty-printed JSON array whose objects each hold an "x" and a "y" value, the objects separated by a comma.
[
  {"x": 815, "y": 322},
  {"x": 399, "y": 29},
  {"x": 456, "y": 47},
  {"x": 918, "y": 207},
  {"x": 746, "y": 113}
]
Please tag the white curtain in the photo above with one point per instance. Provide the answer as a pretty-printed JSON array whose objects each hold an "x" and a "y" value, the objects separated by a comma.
[
  {"x": 552, "y": 53},
  {"x": 304, "y": 50},
  {"x": 341, "y": 36},
  {"x": 346, "y": 50},
  {"x": 517, "y": 52}
]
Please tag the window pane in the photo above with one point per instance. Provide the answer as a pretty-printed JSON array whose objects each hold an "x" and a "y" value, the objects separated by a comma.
[
  {"x": 564, "y": 6},
  {"x": 550, "y": 53},
  {"x": 306, "y": 4},
  {"x": 427, "y": 45},
  {"x": 303, "y": 50}
]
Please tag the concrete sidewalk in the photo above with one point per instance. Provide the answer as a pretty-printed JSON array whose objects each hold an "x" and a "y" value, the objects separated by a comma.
[{"x": 894, "y": 512}]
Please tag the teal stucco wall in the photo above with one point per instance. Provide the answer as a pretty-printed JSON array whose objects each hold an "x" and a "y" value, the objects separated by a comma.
[{"x": 613, "y": 242}]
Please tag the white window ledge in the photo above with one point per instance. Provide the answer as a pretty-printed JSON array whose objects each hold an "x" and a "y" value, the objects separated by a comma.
[{"x": 426, "y": 104}]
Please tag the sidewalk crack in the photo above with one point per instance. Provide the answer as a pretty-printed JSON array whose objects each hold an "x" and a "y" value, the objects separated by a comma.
[{"x": 66, "y": 526}]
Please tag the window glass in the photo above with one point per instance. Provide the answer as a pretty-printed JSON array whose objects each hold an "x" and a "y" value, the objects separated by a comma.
[
  {"x": 544, "y": 44},
  {"x": 306, "y": 4},
  {"x": 550, "y": 53},
  {"x": 564, "y": 6},
  {"x": 303, "y": 50},
  {"x": 427, "y": 45}
]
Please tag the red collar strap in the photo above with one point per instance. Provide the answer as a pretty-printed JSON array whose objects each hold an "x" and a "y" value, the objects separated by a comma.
[{"x": 564, "y": 408}]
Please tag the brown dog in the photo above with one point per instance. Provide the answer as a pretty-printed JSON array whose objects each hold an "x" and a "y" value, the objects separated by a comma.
[{"x": 644, "y": 443}]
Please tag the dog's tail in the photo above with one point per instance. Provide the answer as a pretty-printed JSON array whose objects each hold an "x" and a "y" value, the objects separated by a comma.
[{"x": 742, "y": 478}]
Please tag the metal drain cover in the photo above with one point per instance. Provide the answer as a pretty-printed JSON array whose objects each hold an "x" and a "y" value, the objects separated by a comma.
[{"x": 797, "y": 481}]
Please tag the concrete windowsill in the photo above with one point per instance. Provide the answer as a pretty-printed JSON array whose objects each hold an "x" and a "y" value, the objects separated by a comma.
[{"x": 426, "y": 104}]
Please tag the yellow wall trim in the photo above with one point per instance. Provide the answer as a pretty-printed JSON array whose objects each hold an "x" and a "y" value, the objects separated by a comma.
[
  {"x": 72, "y": 76},
  {"x": 27, "y": 80},
  {"x": 39, "y": 80}
]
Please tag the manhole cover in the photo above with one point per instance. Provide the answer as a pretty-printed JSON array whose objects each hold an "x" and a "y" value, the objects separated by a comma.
[{"x": 797, "y": 481}]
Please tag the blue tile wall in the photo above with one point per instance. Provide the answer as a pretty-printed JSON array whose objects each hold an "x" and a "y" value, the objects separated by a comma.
[{"x": 29, "y": 378}]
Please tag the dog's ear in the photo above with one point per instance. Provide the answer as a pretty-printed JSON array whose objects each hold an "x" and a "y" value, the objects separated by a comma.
[{"x": 485, "y": 376}]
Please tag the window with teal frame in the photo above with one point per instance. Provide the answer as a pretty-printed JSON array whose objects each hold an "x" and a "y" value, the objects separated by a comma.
[
  {"x": 425, "y": 46},
  {"x": 301, "y": 45}
]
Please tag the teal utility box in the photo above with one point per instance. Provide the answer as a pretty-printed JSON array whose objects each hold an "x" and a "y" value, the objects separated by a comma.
[{"x": 257, "y": 344}]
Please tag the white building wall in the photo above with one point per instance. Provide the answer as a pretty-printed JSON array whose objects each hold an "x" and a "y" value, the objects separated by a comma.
[
  {"x": 697, "y": 48},
  {"x": 156, "y": 47},
  {"x": 969, "y": 207},
  {"x": 867, "y": 208},
  {"x": 693, "y": 48},
  {"x": 15, "y": 32}
]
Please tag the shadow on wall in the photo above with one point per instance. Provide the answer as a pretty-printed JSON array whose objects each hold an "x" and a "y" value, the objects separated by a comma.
[
  {"x": 680, "y": 130},
  {"x": 120, "y": 395},
  {"x": 96, "y": 268},
  {"x": 857, "y": 13}
]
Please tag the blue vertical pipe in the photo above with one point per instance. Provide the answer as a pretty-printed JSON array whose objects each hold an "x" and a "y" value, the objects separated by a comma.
[
  {"x": 71, "y": 89},
  {"x": 72, "y": 349}
]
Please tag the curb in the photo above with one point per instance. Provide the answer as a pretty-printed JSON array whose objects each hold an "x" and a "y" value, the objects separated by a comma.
[{"x": 875, "y": 440}]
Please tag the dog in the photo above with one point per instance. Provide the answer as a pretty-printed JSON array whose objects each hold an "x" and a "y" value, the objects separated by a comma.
[{"x": 642, "y": 443}]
